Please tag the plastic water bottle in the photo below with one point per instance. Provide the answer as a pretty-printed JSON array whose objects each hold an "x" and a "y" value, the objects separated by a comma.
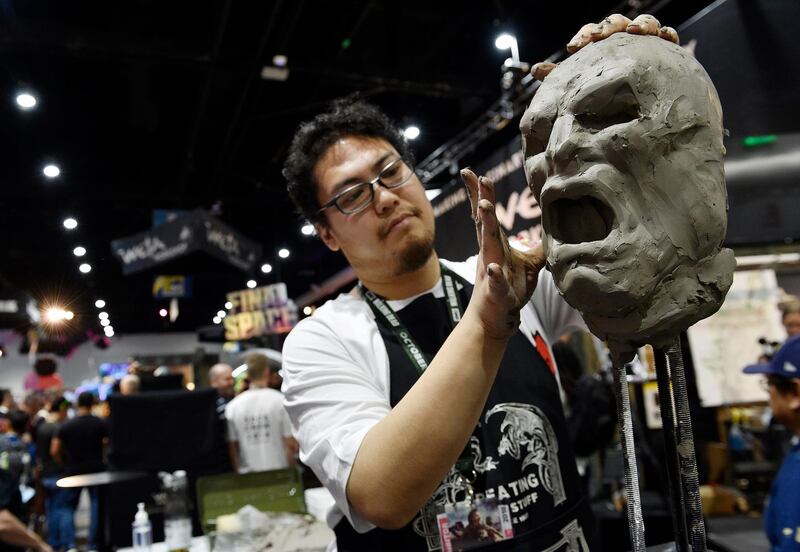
[
  {"x": 142, "y": 530},
  {"x": 177, "y": 524}
]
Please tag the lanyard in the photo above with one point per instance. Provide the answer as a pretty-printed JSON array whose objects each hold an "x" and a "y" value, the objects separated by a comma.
[{"x": 382, "y": 310}]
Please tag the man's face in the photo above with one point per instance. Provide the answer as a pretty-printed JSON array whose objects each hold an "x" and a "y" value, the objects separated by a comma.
[
  {"x": 623, "y": 150},
  {"x": 393, "y": 235},
  {"x": 222, "y": 380},
  {"x": 792, "y": 323},
  {"x": 785, "y": 405}
]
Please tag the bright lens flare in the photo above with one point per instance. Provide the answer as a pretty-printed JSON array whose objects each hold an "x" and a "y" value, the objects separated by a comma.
[{"x": 55, "y": 315}]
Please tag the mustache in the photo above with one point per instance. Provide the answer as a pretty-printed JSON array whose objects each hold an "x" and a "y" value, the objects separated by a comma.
[{"x": 384, "y": 228}]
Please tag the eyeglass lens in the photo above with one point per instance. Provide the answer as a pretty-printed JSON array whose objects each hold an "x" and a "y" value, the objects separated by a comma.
[{"x": 395, "y": 174}]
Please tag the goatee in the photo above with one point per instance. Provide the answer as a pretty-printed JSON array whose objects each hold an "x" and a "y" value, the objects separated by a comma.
[{"x": 415, "y": 255}]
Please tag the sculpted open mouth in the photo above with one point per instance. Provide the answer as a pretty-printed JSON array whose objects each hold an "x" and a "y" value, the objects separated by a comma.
[{"x": 580, "y": 220}]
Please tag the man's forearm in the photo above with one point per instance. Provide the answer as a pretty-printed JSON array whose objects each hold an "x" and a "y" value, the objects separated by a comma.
[
  {"x": 12, "y": 531},
  {"x": 404, "y": 457}
]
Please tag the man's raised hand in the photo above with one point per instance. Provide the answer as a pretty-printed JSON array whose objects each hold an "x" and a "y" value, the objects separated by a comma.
[
  {"x": 505, "y": 277},
  {"x": 644, "y": 24}
]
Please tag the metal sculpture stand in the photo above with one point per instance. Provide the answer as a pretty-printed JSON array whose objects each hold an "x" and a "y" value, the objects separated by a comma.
[{"x": 681, "y": 463}]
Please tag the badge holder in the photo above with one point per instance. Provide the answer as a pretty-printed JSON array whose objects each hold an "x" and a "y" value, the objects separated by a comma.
[{"x": 472, "y": 524}]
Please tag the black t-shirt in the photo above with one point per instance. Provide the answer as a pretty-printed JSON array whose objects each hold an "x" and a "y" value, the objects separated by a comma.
[
  {"x": 82, "y": 444},
  {"x": 44, "y": 435}
]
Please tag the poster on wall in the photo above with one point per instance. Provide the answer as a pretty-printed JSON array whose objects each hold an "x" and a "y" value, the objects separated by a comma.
[
  {"x": 517, "y": 210},
  {"x": 260, "y": 311},
  {"x": 727, "y": 341}
]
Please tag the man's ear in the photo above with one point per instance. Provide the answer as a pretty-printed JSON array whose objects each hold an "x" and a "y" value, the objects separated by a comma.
[{"x": 326, "y": 235}]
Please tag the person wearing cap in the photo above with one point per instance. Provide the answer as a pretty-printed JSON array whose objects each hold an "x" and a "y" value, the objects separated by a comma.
[{"x": 782, "y": 515}]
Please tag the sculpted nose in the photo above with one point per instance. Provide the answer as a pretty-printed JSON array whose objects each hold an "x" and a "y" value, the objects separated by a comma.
[{"x": 563, "y": 144}]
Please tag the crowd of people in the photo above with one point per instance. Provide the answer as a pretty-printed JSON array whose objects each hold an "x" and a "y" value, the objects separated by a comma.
[
  {"x": 47, "y": 437},
  {"x": 40, "y": 443}
]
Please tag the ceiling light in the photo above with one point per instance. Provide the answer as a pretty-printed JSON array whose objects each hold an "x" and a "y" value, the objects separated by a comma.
[
  {"x": 55, "y": 315},
  {"x": 70, "y": 223},
  {"x": 307, "y": 310},
  {"x": 280, "y": 60},
  {"x": 283, "y": 253},
  {"x": 99, "y": 303},
  {"x": 307, "y": 229},
  {"x": 221, "y": 313},
  {"x": 109, "y": 330},
  {"x": 69, "y": 315},
  {"x": 411, "y": 132},
  {"x": 251, "y": 284},
  {"x": 79, "y": 251},
  {"x": 105, "y": 322},
  {"x": 110, "y": 334},
  {"x": 85, "y": 268},
  {"x": 228, "y": 305},
  {"x": 266, "y": 268},
  {"x": 217, "y": 320},
  {"x": 508, "y": 42},
  {"x": 51, "y": 171},
  {"x": 163, "y": 313},
  {"x": 26, "y": 100},
  {"x": 103, "y": 315},
  {"x": 504, "y": 41}
]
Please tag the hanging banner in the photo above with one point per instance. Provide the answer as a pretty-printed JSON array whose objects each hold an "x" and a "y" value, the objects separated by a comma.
[
  {"x": 17, "y": 309},
  {"x": 226, "y": 244},
  {"x": 260, "y": 311},
  {"x": 517, "y": 210},
  {"x": 185, "y": 234},
  {"x": 169, "y": 287}
]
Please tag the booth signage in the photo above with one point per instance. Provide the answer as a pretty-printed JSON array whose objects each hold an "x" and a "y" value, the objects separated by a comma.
[
  {"x": 17, "y": 309},
  {"x": 260, "y": 311},
  {"x": 517, "y": 210},
  {"x": 172, "y": 287},
  {"x": 185, "y": 234}
]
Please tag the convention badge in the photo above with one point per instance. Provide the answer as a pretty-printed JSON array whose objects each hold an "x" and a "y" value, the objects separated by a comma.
[{"x": 470, "y": 525}]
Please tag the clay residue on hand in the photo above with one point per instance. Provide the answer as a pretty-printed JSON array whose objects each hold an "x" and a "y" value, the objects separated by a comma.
[{"x": 623, "y": 150}]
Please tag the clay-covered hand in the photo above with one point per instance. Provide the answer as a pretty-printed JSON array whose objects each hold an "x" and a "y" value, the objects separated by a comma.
[
  {"x": 644, "y": 24},
  {"x": 506, "y": 277}
]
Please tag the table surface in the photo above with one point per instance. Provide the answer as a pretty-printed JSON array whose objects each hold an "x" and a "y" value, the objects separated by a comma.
[
  {"x": 99, "y": 478},
  {"x": 199, "y": 544}
]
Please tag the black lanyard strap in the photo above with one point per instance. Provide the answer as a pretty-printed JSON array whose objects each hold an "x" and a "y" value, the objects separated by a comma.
[{"x": 384, "y": 312}]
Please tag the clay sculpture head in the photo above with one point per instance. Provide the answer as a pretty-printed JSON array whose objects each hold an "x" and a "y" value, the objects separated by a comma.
[{"x": 623, "y": 150}]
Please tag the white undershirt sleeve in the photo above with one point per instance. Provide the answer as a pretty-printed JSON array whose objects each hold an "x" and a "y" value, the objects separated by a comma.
[{"x": 333, "y": 396}]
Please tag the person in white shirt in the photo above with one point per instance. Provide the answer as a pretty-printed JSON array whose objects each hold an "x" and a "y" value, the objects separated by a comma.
[{"x": 259, "y": 432}]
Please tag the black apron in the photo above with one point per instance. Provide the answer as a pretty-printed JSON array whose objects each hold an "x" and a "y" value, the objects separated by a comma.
[{"x": 513, "y": 449}]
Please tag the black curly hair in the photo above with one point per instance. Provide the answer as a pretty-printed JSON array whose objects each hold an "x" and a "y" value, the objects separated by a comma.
[
  {"x": 45, "y": 366},
  {"x": 345, "y": 117}
]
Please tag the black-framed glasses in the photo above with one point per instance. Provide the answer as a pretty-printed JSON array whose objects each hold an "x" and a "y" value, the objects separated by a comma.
[{"x": 359, "y": 196}]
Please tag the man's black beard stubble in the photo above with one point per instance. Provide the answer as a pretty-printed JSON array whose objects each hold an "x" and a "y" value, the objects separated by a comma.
[{"x": 415, "y": 255}]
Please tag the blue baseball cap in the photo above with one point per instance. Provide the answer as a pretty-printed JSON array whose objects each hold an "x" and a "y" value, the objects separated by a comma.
[{"x": 785, "y": 363}]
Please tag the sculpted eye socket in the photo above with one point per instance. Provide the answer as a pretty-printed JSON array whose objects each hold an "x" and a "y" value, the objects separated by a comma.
[
  {"x": 623, "y": 108},
  {"x": 616, "y": 116}
]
